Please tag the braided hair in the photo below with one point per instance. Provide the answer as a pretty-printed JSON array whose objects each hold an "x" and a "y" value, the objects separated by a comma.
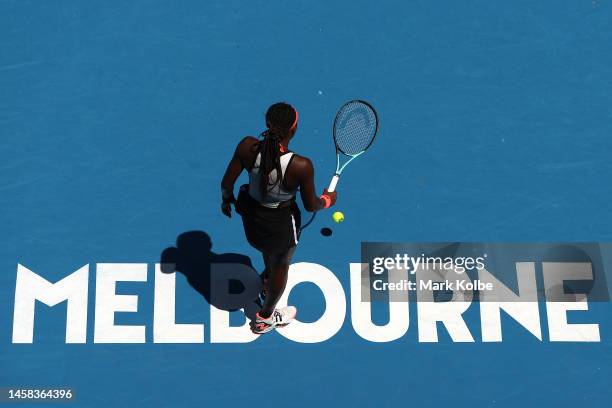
[{"x": 281, "y": 119}]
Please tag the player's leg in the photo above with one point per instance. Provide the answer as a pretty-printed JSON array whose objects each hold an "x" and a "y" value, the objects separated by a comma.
[
  {"x": 269, "y": 317},
  {"x": 264, "y": 280},
  {"x": 278, "y": 265}
]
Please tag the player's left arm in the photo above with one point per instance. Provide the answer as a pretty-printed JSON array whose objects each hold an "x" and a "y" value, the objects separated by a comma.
[{"x": 234, "y": 168}]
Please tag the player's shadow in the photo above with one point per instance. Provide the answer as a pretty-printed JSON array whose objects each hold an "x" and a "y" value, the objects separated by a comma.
[{"x": 224, "y": 280}]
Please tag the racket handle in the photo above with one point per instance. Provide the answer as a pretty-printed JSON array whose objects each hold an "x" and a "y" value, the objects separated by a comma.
[{"x": 332, "y": 184}]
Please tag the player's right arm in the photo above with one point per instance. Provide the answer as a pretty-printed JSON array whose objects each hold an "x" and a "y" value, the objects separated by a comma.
[{"x": 311, "y": 201}]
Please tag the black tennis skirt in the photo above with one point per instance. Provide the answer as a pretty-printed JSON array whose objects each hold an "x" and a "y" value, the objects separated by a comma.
[{"x": 269, "y": 230}]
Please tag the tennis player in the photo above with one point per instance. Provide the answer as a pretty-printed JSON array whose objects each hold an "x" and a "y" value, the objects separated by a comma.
[{"x": 270, "y": 215}]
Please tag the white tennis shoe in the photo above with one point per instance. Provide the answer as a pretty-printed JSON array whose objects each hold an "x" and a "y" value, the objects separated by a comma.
[{"x": 279, "y": 318}]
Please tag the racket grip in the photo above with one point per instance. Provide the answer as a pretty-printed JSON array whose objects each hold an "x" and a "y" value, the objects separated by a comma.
[{"x": 333, "y": 182}]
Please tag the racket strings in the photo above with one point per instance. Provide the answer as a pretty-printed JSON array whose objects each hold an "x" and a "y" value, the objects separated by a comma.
[{"x": 355, "y": 128}]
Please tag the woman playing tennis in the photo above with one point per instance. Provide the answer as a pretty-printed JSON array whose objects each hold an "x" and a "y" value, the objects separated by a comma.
[{"x": 270, "y": 215}]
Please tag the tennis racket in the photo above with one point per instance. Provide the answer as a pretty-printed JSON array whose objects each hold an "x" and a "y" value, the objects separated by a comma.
[{"x": 355, "y": 128}]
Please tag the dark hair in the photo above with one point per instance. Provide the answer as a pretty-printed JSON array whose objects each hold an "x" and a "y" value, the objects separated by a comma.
[{"x": 280, "y": 120}]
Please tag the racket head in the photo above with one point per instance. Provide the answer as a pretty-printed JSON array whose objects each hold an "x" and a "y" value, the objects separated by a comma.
[{"x": 355, "y": 127}]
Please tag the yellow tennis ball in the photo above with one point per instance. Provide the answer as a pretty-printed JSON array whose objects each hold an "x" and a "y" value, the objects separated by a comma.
[{"x": 338, "y": 217}]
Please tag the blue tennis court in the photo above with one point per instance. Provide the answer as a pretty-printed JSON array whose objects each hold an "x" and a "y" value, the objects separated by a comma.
[{"x": 117, "y": 122}]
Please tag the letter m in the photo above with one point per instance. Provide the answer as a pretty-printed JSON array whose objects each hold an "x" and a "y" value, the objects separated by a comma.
[{"x": 30, "y": 287}]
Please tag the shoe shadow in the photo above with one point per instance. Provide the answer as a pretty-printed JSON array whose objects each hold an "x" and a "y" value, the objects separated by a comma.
[{"x": 227, "y": 281}]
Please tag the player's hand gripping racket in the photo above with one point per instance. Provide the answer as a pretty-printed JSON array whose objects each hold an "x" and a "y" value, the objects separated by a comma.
[{"x": 355, "y": 128}]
